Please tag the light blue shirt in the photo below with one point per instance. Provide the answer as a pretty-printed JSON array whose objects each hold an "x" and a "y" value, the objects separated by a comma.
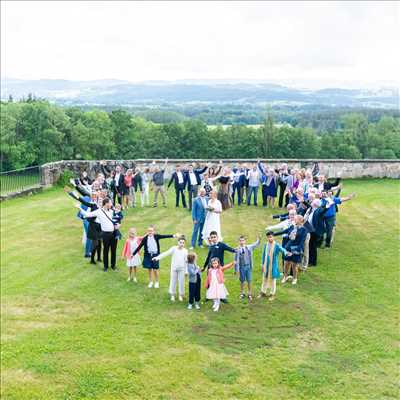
[
  {"x": 253, "y": 178},
  {"x": 152, "y": 245}
]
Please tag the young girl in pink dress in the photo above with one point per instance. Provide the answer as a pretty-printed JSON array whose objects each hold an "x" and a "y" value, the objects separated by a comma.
[
  {"x": 132, "y": 261},
  {"x": 216, "y": 289}
]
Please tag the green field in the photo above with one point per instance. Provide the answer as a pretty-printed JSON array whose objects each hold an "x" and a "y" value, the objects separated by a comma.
[{"x": 71, "y": 331}]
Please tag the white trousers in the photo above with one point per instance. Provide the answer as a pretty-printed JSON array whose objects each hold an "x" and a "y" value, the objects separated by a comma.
[
  {"x": 177, "y": 276},
  {"x": 305, "y": 254},
  {"x": 265, "y": 285},
  {"x": 144, "y": 196},
  {"x": 132, "y": 196}
]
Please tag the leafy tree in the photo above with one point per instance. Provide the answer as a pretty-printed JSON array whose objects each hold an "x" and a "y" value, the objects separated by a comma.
[
  {"x": 101, "y": 134},
  {"x": 268, "y": 131},
  {"x": 346, "y": 151}
]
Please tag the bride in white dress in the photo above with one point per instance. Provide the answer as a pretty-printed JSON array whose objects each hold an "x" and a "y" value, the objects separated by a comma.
[{"x": 212, "y": 222}]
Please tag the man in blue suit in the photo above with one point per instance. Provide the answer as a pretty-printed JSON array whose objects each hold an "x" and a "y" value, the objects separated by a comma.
[{"x": 199, "y": 216}]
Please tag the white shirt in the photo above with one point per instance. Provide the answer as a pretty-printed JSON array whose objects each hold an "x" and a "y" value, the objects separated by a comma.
[
  {"x": 152, "y": 245},
  {"x": 106, "y": 223},
  {"x": 116, "y": 179},
  {"x": 253, "y": 177},
  {"x": 179, "y": 257},
  {"x": 310, "y": 217},
  {"x": 193, "y": 179},
  {"x": 180, "y": 177},
  {"x": 281, "y": 226}
]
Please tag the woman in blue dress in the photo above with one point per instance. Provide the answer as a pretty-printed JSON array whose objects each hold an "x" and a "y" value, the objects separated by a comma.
[{"x": 269, "y": 181}]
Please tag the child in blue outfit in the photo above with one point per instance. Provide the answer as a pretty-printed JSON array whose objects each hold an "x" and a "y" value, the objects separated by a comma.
[
  {"x": 117, "y": 219},
  {"x": 270, "y": 266},
  {"x": 194, "y": 282},
  {"x": 244, "y": 264}
]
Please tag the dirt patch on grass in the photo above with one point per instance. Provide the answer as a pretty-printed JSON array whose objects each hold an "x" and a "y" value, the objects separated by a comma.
[
  {"x": 311, "y": 341},
  {"x": 25, "y": 314},
  {"x": 17, "y": 376}
]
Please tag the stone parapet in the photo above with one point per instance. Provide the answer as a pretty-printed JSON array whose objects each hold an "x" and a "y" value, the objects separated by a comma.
[{"x": 331, "y": 168}]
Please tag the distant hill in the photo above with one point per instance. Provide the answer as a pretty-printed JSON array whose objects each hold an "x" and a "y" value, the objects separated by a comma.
[{"x": 110, "y": 92}]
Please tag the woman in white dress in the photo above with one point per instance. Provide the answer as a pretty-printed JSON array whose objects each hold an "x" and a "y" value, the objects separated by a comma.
[{"x": 212, "y": 222}]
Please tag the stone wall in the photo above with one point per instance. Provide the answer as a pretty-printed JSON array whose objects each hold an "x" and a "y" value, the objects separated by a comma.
[{"x": 331, "y": 168}]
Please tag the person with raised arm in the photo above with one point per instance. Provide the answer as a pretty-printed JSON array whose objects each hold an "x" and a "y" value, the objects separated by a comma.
[
  {"x": 151, "y": 245},
  {"x": 193, "y": 180},
  {"x": 179, "y": 255},
  {"x": 332, "y": 202},
  {"x": 270, "y": 266},
  {"x": 269, "y": 185},
  {"x": 117, "y": 182},
  {"x": 132, "y": 261},
  {"x": 244, "y": 265},
  {"x": 216, "y": 249},
  {"x": 216, "y": 290},
  {"x": 91, "y": 225},
  {"x": 295, "y": 248},
  {"x": 314, "y": 223},
  {"x": 109, "y": 231},
  {"x": 283, "y": 173}
]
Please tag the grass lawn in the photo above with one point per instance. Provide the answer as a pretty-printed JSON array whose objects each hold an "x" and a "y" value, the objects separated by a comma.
[{"x": 71, "y": 331}]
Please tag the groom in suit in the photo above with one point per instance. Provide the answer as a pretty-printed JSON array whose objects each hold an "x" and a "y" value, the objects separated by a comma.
[{"x": 199, "y": 216}]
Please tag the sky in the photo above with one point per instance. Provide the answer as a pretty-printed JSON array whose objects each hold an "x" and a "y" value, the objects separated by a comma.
[{"x": 310, "y": 43}]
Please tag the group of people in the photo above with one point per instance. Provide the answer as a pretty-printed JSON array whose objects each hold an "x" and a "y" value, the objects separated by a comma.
[{"x": 311, "y": 203}]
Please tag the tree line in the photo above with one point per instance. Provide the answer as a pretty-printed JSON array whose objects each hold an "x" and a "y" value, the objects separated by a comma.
[{"x": 34, "y": 132}]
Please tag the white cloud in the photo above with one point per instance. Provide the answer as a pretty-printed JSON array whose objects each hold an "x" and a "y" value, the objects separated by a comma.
[{"x": 309, "y": 41}]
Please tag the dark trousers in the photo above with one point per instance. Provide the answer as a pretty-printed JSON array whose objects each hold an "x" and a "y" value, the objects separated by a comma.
[
  {"x": 179, "y": 191},
  {"x": 238, "y": 189},
  {"x": 117, "y": 197},
  {"x": 96, "y": 248},
  {"x": 264, "y": 191},
  {"x": 329, "y": 225},
  {"x": 194, "y": 290},
  {"x": 313, "y": 248},
  {"x": 285, "y": 240},
  {"x": 137, "y": 185},
  {"x": 109, "y": 243},
  {"x": 282, "y": 188}
]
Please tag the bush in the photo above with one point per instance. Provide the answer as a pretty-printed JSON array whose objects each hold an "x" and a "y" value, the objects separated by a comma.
[{"x": 64, "y": 178}]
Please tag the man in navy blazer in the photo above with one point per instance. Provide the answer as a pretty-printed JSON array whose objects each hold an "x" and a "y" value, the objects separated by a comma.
[
  {"x": 199, "y": 216},
  {"x": 193, "y": 179},
  {"x": 315, "y": 225},
  {"x": 179, "y": 179}
]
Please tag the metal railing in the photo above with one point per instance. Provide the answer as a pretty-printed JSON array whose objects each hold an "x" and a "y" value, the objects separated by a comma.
[{"x": 19, "y": 180}]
